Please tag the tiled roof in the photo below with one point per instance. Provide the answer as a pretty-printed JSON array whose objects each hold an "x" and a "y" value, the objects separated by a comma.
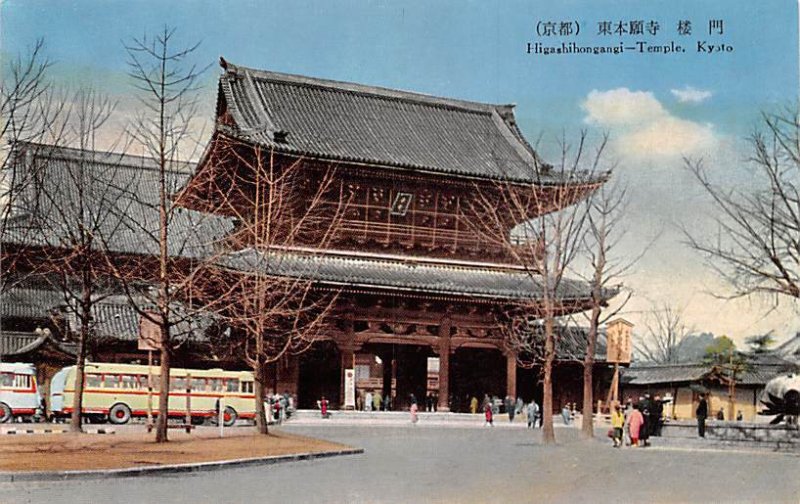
[
  {"x": 115, "y": 318},
  {"x": 754, "y": 374},
  {"x": 358, "y": 123},
  {"x": 121, "y": 202},
  {"x": 29, "y": 303},
  {"x": 14, "y": 344},
  {"x": 12, "y": 341},
  {"x": 383, "y": 273}
]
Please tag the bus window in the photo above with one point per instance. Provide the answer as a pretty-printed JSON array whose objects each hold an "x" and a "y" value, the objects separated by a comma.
[
  {"x": 130, "y": 382},
  {"x": 215, "y": 384},
  {"x": 247, "y": 387},
  {"x": 198, "y": 384},
  {"x": 177, "y": 383},
  {"x": 233, "y": 385},
  {"x": 22, "y": 381},
  {"x": 156, "y": 381},
  {"x": 6, "y": 380},
  {"x": 111, "y": 381},
  {"x": 93, "y": 381}
]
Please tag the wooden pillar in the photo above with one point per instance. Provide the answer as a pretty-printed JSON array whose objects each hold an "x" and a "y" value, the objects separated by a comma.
[
  {"x": 444, "y": 365},
  {"x": 511, "y": 374}
]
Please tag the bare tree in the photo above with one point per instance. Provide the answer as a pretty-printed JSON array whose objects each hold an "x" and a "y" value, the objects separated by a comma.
[
  {"x": 664, "y": 331},
  {"x": 75, "y": 204},
  {"x": 167, "y": 88},
  {"x": 30, "y": 112},
  {"x": 544, "y": 244},
  {"x": 757, "y": 250},
  {"x": 607, "y": 268},
  {"x": 266, "y": 290}
]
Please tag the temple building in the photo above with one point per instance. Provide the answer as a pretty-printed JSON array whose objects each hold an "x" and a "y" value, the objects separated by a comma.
[
  {"x": 420, "y": 294},
  {"x": 417, "y": 281}
]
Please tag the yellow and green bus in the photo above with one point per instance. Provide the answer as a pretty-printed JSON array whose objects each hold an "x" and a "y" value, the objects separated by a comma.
[{"x": 119, "y": 392}]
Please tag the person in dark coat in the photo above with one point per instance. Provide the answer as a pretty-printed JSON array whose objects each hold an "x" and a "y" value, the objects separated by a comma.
[
  {"x": 701, "y": 413},
  {"x": 510, "y": 405},
  {"x": 646, "y": 409},
  {"x": 658, "y": 415}
]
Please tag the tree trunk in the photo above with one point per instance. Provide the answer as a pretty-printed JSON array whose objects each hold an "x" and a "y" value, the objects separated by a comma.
[
  {"x": 77, "y": 400},
  {"x": 163, "y": 393},
  {"x": 548, "y": 433},
  {"x": 260, "y": 386},
  {"x": 587, "y": 425}
]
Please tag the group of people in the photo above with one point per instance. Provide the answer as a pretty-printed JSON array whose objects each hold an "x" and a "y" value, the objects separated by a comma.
[
  {"x": 373, "y": 401},
  {"x": 281, "y": 406},
  {"x": 513, "y": 408},
  {"x": 637, "y": 422}
]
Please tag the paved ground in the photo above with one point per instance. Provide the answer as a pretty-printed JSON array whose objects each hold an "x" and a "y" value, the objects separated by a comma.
[{"x": 435, "y": 464}]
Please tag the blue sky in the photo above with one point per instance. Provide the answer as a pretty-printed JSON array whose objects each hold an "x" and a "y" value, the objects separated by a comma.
[{"x": 704, "y": 103}]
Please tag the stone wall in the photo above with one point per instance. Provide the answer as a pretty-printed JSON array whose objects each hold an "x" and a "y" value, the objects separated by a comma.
[{"x": 744, "y": 434}]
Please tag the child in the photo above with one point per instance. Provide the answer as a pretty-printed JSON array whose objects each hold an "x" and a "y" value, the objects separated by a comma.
[
  {"x": 414, "y": 410},
  {"x": 617, "y": 421},
  {"x": 488, "y": 413}
]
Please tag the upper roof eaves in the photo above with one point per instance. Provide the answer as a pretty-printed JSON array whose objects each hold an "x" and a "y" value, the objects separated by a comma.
[{"x": 389, "y": 128}]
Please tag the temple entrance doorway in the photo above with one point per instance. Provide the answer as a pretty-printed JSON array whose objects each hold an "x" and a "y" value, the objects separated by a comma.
[
  {"x": 473, "y": 373},
  {"x": 529, "y": 385},
  {"x": 320, "y": 372},
  {"x": 398, "y": 371}
]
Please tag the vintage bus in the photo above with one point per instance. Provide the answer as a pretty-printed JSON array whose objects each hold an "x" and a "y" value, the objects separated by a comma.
[
  {"x": 19, "y": 393},
  {"x": 118, "y": 392}
]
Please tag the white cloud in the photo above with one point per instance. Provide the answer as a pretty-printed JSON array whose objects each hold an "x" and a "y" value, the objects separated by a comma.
[
  {"x": 691, "y": 95},
  {"x": 644, "y": 129},
  {"x": 621, "y": 106}
]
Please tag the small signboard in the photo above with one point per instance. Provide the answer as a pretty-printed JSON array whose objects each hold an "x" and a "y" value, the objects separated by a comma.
[
  {"x": 149, "y": 334},
  {"x": 618, "y": 335},
  {"x": 350, "y": 388}
]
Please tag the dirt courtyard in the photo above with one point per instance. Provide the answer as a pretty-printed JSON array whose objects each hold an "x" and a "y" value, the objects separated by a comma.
[{"x": 64, "y": 452}]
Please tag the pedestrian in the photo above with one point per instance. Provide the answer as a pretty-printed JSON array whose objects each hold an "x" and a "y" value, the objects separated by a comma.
[
  {"x": 519, "y": 407},
  {"x": 368, "y": 401},
  {"x": 414, "y": 411},
  {"x": 739, "y": 416},
  {"x": 701, "y": 413},
  {"x": 720, "y": 414},
  {"x": 473, "y": 405},
  {"x": 565, "y": 414},
  {"x": 323, "y": 407},
  {"x": 533, "y": 413},
  {"x": 627, "y": 427},
  {"x": 636, "y": 421},
  {"x": 658, "y": 415},
  {"x": 617, "y": 422},
  {"x": 510, "y": 407},
  {"x": 376, "y": 400},
  {"x": 645, "y": 410},
  {"x": 489, "y": 414}
]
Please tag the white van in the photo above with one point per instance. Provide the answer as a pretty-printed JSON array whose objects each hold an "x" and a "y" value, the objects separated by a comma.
[{"x": 19, "y": 392}]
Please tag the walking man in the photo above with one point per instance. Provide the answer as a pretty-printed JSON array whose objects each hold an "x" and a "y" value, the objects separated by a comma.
[
  {"x": 533, "y": 412},
  {"x": 701, "y": 413}
]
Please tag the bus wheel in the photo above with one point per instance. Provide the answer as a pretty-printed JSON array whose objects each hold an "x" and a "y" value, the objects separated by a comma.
[
  {"x": 229, "y": 416},
  {"x": 119, "y": 414},
  {"x": 5, "y": 412}
]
